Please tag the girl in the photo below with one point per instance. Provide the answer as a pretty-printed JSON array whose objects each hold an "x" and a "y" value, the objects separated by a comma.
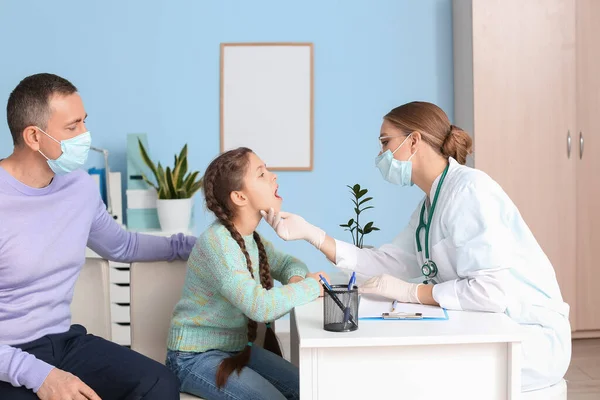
[{"x": 214, "y": 324}]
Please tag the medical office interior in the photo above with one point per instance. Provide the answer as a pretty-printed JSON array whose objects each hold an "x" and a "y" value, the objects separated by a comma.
[{"x": 520, "y": 76}]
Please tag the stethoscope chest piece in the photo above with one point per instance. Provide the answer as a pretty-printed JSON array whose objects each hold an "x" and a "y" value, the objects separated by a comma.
[{"x": 429, "y": 269}]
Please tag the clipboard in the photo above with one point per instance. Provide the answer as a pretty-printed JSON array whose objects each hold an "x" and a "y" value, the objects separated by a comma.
[{"x": 370, "y": 308}]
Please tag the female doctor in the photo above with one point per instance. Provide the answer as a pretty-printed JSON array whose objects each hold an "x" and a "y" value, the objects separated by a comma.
[{"x": 466, "y": 246}]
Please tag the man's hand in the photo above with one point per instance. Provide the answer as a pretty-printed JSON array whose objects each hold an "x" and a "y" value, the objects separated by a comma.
[
  {"x": 290, "y": 226},
  {"x": 61, "y": 385}
]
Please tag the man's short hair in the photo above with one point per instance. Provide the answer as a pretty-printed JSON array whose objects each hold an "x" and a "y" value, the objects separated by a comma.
[{"x": 29, "y": 105}]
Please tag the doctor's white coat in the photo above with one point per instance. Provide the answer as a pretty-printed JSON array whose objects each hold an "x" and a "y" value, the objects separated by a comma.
[{"x": 488, "y": 260}]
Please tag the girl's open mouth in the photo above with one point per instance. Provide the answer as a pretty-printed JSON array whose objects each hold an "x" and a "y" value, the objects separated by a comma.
[{"x": 276, "y": 195}]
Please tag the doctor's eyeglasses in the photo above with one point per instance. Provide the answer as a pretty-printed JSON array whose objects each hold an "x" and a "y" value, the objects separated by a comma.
[{"x": 383, "y": 140}]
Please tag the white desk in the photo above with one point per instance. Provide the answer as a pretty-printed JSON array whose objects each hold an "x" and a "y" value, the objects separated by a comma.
[{"x": 470, "y": 356}]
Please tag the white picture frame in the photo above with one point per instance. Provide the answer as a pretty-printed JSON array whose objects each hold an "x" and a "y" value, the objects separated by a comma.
[{"x": 267, "y": 102}]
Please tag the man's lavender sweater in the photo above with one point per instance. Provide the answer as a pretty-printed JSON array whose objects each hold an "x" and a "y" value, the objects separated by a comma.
[{"x": 43, "y": 238}]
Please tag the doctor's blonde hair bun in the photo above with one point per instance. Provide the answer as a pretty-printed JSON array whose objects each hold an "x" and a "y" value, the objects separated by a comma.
[{"x": 436, "y": 130}]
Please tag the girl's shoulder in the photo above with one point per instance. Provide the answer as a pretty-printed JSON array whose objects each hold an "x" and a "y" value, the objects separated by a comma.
[
  {"x": 216, "y": 237},
  {"x": 214, "y": 233}
]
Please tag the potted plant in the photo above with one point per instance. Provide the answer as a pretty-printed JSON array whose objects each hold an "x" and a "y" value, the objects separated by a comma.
[
  {"x": 357, "y": 230},
  {"x": 175, "y": 188}
]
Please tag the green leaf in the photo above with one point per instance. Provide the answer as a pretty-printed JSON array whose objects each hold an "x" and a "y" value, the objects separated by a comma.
[
  {"x": 360, "y": 231},
  {"x": 362, "y": 193},
  {"x": 182, "y": 172},
  {"x": 350, "y": 221},
  {"x": 179, "y": 172},
  {"x": 195, "y": 187},
  {"x": 189, "y": 180},
  {"x": 149, "y": 182},
  {"x": 170, "y": 184},
  {"x": 147, "y": 159},
  {"x": 184, "y": 152},
  {"x": 374, "y": 229},
  {"x": 365, "y": 200},
  {"x": 345, "y": 226},
  {"x": 368, "y": 226},
  {"x": 160, "y": 177},
  {"x": 357, "y": 211},
  {"x": 356, "y": 189},
  {"x": 366, "y": 208}
]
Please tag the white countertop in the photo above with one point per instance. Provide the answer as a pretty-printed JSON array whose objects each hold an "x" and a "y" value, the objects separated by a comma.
[{"x": 461, "y": 327}]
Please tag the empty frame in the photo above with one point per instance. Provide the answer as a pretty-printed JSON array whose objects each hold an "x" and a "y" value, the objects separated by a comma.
[{"x": 267, "y": 102}]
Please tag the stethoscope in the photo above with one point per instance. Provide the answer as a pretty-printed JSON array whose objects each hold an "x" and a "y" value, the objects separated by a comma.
[{"x": 429, "y": 268}]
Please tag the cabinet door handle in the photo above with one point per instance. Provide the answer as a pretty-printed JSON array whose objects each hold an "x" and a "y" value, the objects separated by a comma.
[
  {"x": 580, "y": 145},
  {"x": 568, "y": 144}
]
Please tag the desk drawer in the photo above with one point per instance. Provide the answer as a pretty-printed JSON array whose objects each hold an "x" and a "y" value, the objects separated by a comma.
[
  {"x": 121, "y": 334},
  {"x": 119, "y": 276},
  {"x": 119, "y": 293},
  {"x": 119, "y": 313}
]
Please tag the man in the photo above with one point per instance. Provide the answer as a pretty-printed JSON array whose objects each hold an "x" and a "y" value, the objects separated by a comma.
[{"x": 50, "y": 210}]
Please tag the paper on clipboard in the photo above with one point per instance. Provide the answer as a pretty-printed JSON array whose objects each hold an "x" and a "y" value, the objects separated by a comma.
[{"x": 370, "y": 307}]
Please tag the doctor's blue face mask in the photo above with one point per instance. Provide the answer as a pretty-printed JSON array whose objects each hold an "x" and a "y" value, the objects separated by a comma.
[
  {"x": 395, "y": 171},
  {"x": 74, "y": 153}
]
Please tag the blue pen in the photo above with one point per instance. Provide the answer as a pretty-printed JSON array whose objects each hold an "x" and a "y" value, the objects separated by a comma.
[
  {"x": 347, "y": 309},
  {"x": 325, "y": 282},
  {"x": 352, "y": 281}
]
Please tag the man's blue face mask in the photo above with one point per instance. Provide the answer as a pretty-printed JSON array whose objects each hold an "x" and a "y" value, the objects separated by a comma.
[
  {"x": 74, "y": 153},
  {"x": 395, "y": 171}
]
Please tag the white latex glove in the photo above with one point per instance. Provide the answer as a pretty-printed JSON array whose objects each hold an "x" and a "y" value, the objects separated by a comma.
[
  {"x": 391, "y": 288},
  {"x": 293, "y": 227}
]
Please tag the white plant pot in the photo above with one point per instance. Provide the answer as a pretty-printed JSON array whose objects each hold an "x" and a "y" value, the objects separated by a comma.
[{"x": 174, "y": 215}]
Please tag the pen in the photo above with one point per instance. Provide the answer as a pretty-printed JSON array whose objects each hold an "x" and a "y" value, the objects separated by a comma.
[
  {"x": 335, "y": 298},
  {"x": 347, "y": 309},
  {"x": 352, "y": 280},
  {"x": 324, "y": 281},
  {"x": 394, "y": 304},
  {"x": 402, "y": 315}
]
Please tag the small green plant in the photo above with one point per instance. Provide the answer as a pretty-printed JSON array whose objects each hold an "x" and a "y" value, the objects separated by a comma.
[
  {"x": 356, "y": 230},
  {"x": 172, "y": 183}
]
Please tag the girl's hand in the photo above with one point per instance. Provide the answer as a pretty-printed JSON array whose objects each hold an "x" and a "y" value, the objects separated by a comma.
[
  {"x": 316, "y": 277},
  {"x": 295, "y": 279}
]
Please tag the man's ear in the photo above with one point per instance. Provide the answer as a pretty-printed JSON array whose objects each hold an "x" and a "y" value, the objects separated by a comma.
[
  {"x": 238, "y": 198},
  {"x": 31, "y": 137}
]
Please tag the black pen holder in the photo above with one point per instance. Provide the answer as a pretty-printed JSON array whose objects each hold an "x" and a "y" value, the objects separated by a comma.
[{"x": 340, "y": 309}]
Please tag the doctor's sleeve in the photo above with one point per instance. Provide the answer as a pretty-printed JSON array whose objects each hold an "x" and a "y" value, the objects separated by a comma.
[
  {"x": 480, "y": 231},
  {"x": 397, "y": 258}
]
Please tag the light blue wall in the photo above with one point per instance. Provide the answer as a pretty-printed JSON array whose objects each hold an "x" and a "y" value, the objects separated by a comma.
[{"x": 153, "y": 66}]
